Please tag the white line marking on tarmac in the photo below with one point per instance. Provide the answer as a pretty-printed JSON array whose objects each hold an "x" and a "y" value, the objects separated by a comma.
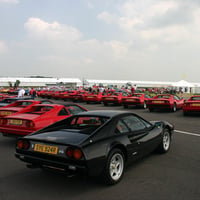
[{"x": 187, "y": 133}]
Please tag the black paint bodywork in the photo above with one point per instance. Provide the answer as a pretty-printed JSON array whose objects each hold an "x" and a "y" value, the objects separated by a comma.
[{"x": 95, "y": 146}]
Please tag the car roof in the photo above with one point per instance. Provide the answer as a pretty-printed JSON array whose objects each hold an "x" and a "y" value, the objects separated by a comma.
[{"x": 104, "y": 113}]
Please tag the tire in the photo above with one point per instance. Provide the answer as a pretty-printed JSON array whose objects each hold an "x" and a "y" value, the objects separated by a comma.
[
  {"x": 114, "y": 169},
  {"x": 125, "y": 106},
  {"x": 144, "y": 105},
  {"x": 166, "y": 142},
  {"x": 174, "y": 108},
  {"x": 105, "y": 104},
  {"x": 151, "y": 109}
]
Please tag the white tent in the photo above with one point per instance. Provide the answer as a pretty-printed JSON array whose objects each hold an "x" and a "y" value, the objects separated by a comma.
[{"x": 182, "y": 83}]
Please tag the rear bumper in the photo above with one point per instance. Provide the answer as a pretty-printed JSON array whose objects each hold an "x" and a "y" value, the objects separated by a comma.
[
  {"x": 160, "y": 106},
  {"x": 191, "y": 109},
  {"x": 132, "y": 103},
  {"x": 15, "y": 132},
  {"x": 59, "y": 166}
]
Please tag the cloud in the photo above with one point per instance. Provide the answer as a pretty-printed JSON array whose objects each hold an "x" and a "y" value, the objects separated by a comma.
[
  {"x": 90, "y": 5},
  {"x": 9, "y": 1},
  {"x": 3, "y": 47},
  {"x": 164, "y": 21},
  {"x": 38, "y": 28},
  {"x": 107, "y": 17}
]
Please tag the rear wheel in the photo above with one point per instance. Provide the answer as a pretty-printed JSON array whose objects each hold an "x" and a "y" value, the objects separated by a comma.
[
  {"x": 144, "y": 105},
  {"x": 114, "y": 168},
  {"x": 174, "y": 108},
  {"x": 105, "y": 104},
  {"x": 166, "y": 142},
  {"x": 151, "y": 109}
]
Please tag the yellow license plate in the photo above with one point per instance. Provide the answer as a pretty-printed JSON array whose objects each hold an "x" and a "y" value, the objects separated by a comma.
[
  {"x": 196, "y": 104},
  {"x": 15, "y": 122},
  {"x": 158, "y": 101},
  {"x": 130, "y": 100},
  {"x": 110, "y": 98},
  {"x": 46, "y": 149},
  {"x": 6, "y": 113},
  {"x": 90, "y": 97},
  {"x": 66, "y": 95}
]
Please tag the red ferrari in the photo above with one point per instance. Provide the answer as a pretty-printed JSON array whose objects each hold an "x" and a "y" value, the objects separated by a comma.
[
  {"x": 19, "y": 106},
  {"x": 135, "y": 99},
  {"x": 192, "y": 105},
  {"x": 36, "y": 117},
  {"x": 113, "y": 98},
  {"x": 79, "y": 96},
  {"x": 93, "y": 97},
  {"x": 165, "y": 101},
  {"x": 67, "y": 95}
]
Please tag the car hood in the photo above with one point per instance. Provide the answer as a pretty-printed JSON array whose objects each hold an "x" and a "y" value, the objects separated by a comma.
[{"x": 62, "y": 137}]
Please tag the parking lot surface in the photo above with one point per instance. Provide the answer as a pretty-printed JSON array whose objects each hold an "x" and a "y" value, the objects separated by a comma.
[{"x": 174, "y": 175}]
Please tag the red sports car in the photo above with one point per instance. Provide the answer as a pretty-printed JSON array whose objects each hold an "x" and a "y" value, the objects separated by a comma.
[
  {"x": 36, "y": 117},
  {"x": 113, "y": 98},
  {"x": 19, "y": 106},
  {"x": 67, "y": 95},
  {"x": 79, "y": 96},
  {"x": 165, "y": 101},
  {"x": 192, "y": 105},
  {"x": 93, "y": 97},
  {"x": 135, "y": 99}
]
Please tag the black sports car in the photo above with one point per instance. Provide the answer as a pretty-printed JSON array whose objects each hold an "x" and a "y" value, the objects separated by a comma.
[{"x": 98, "y": 143}]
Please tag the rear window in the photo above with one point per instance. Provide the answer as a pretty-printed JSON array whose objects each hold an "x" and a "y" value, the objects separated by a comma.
[
  {"x": 85, "y": 124},
  {"x": 163, "y": 96},
  {"x": 195, "y": 98},
  {"x": 40, "y": 109}
]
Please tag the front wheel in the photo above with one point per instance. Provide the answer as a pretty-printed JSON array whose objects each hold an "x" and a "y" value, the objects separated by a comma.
[{"x": 114, "y": 168}]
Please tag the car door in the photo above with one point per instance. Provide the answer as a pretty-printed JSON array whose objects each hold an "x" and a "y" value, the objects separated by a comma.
[{"x": 141, "y": 135}]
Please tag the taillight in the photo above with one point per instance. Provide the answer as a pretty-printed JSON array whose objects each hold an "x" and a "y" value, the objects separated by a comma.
[
  {"x": 77, "y": 153},
  {"x": 30, "y": 124},
  {"x": 3, "y": 121},
  {"x": 23, "y": 144},
  {"x": 74, "y": 153},
  {"x": 69, "y": 152}
]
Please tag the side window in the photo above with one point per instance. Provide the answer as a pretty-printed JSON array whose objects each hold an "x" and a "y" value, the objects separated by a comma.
[
  {"x": 74, "y": 109},
  {"x": 134, "y": 123},
  {"x": 121, "y": 127},
  {"x": 63, "y": 112},
  {"x": 176, "y": 97}
]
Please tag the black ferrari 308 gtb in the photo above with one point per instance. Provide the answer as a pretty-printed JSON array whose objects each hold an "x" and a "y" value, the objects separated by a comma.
[{"x": 98, "y": 143}]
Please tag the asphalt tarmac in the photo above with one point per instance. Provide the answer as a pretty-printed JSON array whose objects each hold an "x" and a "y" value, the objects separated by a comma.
[{"x": 173, "y": 176}]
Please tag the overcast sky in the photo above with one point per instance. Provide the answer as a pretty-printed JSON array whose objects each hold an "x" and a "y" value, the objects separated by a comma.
[{"x": 150, "y": 40}]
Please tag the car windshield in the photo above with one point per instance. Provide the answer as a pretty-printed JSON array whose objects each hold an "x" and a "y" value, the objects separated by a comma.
[
  {"x": 85, "y": 124},
  {"x": 195, "y": 98},
  {"x": 23, "y": 103}
]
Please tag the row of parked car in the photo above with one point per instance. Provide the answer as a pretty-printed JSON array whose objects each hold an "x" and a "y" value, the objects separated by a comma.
[
  {"x": 26, "y": 116},
  {"x": 171, "y": 102}
]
